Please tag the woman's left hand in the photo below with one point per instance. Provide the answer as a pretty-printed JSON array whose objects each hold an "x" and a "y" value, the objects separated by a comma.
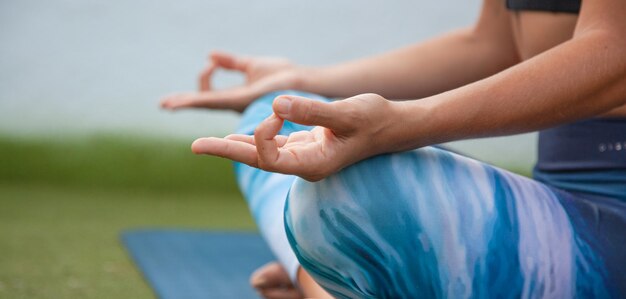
[{"x": 346, "y": 131}]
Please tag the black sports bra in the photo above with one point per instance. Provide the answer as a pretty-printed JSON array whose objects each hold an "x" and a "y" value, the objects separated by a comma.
[{"x": 570, "y": 6}]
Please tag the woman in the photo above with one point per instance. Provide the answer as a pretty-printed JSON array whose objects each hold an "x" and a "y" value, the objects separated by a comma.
[{"x": 423, "y": 222}]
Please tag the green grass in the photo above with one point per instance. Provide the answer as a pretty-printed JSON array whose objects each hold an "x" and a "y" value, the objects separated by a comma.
[
  {"x": 63, "y": 204},
  {"x": 64, "y": 201},
  {"x": 113, "y": 161}
]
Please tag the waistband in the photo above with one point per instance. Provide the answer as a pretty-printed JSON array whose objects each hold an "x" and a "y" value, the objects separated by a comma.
[
  {"x": 595, "y": 144},
  {"x": 569, "y": 6}
]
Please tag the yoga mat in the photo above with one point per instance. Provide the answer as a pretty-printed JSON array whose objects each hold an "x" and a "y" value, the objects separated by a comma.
[{"x": 197, "y": 264}]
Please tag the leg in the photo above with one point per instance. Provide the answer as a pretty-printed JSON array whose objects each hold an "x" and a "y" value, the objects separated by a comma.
[
  {"x": 266, "y": 192},
  {"x": 432, "y": 224}
]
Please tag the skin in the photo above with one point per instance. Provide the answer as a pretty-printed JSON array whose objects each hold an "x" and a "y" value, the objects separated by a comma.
[
  {"x": 272, "y": 281},
  {"x": 512, "y": 72}
]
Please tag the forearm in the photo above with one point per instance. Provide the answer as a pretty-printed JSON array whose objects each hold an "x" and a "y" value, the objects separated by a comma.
[
  {"x": 579, "y": 79},
  {"x": 416, "y": 71}
]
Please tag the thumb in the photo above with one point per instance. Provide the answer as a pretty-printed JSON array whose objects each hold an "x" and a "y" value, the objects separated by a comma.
[{"x": 309, "y": 112}]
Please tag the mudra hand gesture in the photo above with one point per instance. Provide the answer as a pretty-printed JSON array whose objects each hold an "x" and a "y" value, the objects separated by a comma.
[
  {"x": 263, "y": 75},
  {"x": 347, "y": 131}
]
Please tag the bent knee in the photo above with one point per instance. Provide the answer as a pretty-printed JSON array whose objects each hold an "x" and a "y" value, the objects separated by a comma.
[{"x": 355, "y": 232}]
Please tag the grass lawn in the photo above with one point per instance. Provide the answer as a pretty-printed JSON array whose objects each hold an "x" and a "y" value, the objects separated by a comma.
[{"x": 64, "y": 203}]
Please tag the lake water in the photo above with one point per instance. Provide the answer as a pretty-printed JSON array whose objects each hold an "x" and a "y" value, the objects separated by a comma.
[{"x": 72, "y": 67}]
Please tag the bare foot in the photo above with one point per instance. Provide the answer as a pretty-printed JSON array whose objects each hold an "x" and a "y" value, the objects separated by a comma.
[{"x": 272, "y": 282}]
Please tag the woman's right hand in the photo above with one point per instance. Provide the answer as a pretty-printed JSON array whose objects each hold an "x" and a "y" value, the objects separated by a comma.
[
  {"x": 345, "y": 132},
  {"x": 263, "y": 75}
]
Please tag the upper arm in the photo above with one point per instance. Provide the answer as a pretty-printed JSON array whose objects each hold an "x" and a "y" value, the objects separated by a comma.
[
  {"x": 603, "y": 22},
  {"x": 602, "y": 16},
  {"x": 602, "y": 25},
  {"x": 495, "y": 30}
]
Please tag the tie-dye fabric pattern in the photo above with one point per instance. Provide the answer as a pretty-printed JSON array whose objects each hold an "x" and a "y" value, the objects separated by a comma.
[
  {"x": 432, "y": 224},
  {"x": 266, "y": 192}
]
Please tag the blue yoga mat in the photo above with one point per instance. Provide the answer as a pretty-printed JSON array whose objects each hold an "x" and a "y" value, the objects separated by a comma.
[{"x": 197, "y": 264}]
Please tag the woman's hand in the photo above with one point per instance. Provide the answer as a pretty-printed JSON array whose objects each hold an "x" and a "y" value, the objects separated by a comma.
[
  {"x": 347, "y": 131},
  {"x": 263, "y": 75}
]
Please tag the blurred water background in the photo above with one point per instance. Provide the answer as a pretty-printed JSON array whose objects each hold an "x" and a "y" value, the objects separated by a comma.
[{"x": 70, "y": 67}]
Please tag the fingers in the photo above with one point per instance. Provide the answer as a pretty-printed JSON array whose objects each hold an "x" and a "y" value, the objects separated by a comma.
[
  {"x": 280, "y": 139},
  {"x": 230, "y": 61},
  {"x": 236, "y": 147},
  {"x": 266, "y": 145},
  {"x": 309, "y": 112},
  {"x": 234, "y": 98},
  {"x": 189, "y": 100},
  {"x": 249, "y": 139},
  {"x": 204, "y": 79},
  {"x": 230, "y": 149},
  {"x": 217, "y": 60}
]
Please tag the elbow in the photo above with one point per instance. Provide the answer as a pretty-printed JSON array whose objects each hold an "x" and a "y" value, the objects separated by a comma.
[
  {"x": 608, "y": 45},
  {"x": 609, "y": 41}
]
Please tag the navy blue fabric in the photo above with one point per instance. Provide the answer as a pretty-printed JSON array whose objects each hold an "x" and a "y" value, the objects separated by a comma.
[
  {"x": 600, "y": 222},
  {"x": 587, "y": 156},
  {"x": 596, "y": 144},
  {"x": 197, "y": 264},
  {"x": 568, "y": 6}
]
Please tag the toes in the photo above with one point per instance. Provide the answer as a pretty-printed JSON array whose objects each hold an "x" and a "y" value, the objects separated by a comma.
[
  {"x": 278, "y": 293},
  {"x": 271, "y": 275}
]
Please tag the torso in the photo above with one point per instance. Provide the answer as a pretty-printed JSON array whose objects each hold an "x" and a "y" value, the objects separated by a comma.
[
  {"x": 532, "y": 38},
  {"x": 581, "y": 156}
]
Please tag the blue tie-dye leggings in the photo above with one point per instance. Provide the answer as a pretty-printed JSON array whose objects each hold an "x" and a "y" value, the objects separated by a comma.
[{"x": 429, "y": 223}]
